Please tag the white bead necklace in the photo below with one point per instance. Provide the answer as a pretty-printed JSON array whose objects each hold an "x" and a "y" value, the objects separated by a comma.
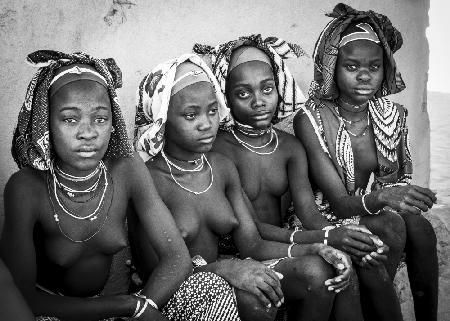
[
  {"x": 92, "y": 216},
  {"x": 187, "y": 170},
  {"x": 252, "y": 148},
  {"x": 78, "y": 178},
  {"x": 198, "y": 168}
]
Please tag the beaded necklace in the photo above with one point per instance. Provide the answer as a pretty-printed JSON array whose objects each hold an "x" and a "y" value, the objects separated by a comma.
[
  {"x": 170, "y": 164},
  {"x": 252, "y": 148}
]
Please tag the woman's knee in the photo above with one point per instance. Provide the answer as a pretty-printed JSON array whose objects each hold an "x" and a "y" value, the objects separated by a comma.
[
  {"x": 313, "y": 271},
  {"x": 251, "y": 308},
  {"x": 390, "y": 227},
  {"x": 420, "y": 232}
]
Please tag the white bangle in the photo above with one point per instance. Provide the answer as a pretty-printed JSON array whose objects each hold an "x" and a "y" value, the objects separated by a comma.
[
  {"x": 291, "y": 238},
  {"x": 365, "y": 207},
  {"x": 140, "y": 310},
  {"x": 327, "y": 230},
  {"x": 290, "y": 249}
]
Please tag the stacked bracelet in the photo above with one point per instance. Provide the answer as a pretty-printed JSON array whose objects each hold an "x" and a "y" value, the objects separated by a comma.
[
  {"x": 327, "y": 230},
  {"x": 291, "y": 238},
  {"x": 365, "y": 207},
  {"x": 140, "y": 310}
]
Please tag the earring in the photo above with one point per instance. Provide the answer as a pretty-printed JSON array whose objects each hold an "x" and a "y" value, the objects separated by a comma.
[{"x": 113, "y": 129}]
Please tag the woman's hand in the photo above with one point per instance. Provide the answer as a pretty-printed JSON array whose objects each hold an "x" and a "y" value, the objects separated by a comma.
[
  {"x": 376, "y": 256},
  {"x": 254, "y": 277},
  {"x": 342, "y": 264},
  {"x": 353, "y": 239},
  {"x": 410, "y": 198}
]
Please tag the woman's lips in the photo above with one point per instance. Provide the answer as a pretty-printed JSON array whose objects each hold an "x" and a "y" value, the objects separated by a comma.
[{"x": 207, "y": 140}]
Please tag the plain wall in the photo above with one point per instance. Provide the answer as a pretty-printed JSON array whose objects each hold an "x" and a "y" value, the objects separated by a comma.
[{"x": 141, "y": 34}]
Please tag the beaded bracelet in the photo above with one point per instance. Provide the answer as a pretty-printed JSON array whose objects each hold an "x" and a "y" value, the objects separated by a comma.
[
  {"x": 365, "y": 207},
  {"x": 291, "y": 238}
]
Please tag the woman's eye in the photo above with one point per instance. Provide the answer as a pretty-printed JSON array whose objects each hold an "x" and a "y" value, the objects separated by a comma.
[
  {"x": 213, "y": 111},
  {"x": 189, "y": 116},
  {"x": 101, "y": 120},
  {"x": 268, "y": 90},
  {"x": 69, "y": 120},
  {"x": 243, "y": 94},
  {"x": 375, "y": 67},
  {"x": 350, "y": 67}
]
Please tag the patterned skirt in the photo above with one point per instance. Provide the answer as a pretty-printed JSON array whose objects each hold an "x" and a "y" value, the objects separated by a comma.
[{"x": 204, "y": 296}]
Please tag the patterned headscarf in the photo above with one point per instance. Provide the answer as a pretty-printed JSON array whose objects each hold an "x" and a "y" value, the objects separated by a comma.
[
  {"x": 291, "y": 97},
  {"x": 326, "y": 51},
  {"x": 153, "y": 102},
  {"x": 31, "y": 145}
]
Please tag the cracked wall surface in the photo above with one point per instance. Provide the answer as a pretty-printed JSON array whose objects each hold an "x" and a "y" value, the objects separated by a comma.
[{"x": 141, "y": 34}]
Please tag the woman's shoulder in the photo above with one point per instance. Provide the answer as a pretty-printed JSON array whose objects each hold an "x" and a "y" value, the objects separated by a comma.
[{"x": 27, "y": 180}]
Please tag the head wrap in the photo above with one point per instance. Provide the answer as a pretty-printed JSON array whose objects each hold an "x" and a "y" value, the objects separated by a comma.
[
  {"x": 67, "y": 74},
  {"x": 290, "y": 95},
  {"x": 245, "y": 54},
  {"x": 358, "y": 31},
  {"x": 154, "y": 95},
  {"x": 187, "y": 74},
  {"x": 326, "y": 51},
  {"x": 31, "y": 145}
]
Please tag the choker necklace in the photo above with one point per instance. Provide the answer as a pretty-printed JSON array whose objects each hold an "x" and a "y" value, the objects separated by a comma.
[
  {"x": 345, "y": 120},
  {"x": 198, "y": 168},
  {"x": 340, "y": 102},
  {"x": 169, "y": 164},
  {"x": 252, "y": 148},
  {"x": 77, "y": 178},
  {"x": 250, "y": 131}
]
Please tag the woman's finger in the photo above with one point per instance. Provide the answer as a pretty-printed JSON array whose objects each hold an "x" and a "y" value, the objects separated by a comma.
[
  {"x": 356, "y": 252},
  {"x": 274, "y": 282},
  {"x": 427, "y": 192},
  {"x": 268, "y": 290}
]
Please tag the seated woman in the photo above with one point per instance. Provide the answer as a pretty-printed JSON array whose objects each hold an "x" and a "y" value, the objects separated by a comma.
[
  {"x": 177, "y": 118},
  {"x": 351, "y": 131},
  {"x": 12, "y": 303},
  {"x": 255, "y": 80},
  {"x": 66, "y": 207}
]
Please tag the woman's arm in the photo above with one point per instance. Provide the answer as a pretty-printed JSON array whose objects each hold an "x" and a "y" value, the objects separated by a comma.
[
  {"x": 12, "y": 304},
  {"x": 18, "y": 251},
  {"x": 402, "y": 198},
  {"x": 174, "y": 264}
]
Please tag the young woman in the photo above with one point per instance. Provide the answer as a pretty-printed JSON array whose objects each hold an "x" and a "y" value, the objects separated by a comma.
[
  {"x": 351, "y": 131},
  {"x": 180, "y": 104},
  {"x": 272, "y": 164},
  {"x": 65, "y": 208}
]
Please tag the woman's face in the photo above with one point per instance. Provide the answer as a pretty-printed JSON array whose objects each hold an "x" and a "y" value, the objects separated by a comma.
[
  {"x": 192, "y": 119},
  {"x": 252, "y": 94},
  {"x": 80, "y": 125},
  {"x": 359, "y": 71}
]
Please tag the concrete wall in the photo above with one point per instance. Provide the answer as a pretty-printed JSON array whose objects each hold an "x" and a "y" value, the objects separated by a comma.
[{"x": 140, "y": 34}]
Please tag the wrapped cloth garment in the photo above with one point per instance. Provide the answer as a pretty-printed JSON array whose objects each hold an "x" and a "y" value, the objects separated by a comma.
[
  {"x": 31, "y": 145},
  {"x": 277, "y": 50},
  {"x": 204, "y": 296},
  {"x": 387, "y": 119},
  {"x": 153, "y": 98}
]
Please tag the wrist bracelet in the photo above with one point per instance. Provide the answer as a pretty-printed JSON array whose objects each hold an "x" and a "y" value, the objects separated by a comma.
[
  {"x": 140, "y": 310},
  {"x": 365, "y": 207},
  {"x": 290, "y": 249},
  {"x": 291, "y": 238},
  {"x": 327, "y": 230}
]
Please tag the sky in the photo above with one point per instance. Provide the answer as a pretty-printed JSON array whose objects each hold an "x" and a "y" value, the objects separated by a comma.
[{"x": 438, "y": 34}]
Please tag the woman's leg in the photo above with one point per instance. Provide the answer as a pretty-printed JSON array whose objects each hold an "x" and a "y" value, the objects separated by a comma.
[
  {"x": 378, "y": 297},
  {"x": 347, "y": 304},
  {"x": 304, "y": 289},
  {"x": 422, "y": 264},
  {"x": 390, "y": 228}
]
